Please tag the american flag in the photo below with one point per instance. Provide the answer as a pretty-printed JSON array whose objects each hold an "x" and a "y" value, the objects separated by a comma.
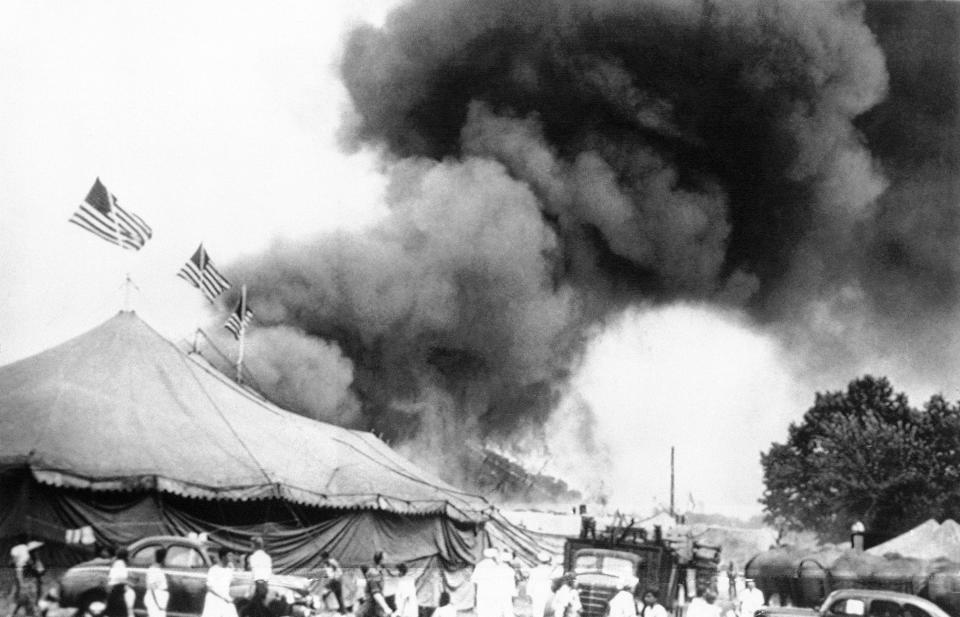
[
  {"x": 240, "y": 318},
  {"x": 199, "y": 272},
  {"x": 101, "y": 215}
]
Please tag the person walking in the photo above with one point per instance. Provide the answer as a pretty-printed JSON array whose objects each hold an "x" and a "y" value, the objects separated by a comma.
[
  {"x": 731, "y": 581},
  {"x": 406, "y": 594},
  {"x": 26, "y": 566},
  {"x": 261, "y": 569},
  {"x": 540, "y": 585},
  {"x": 506, "y": 583},
  {"x": 333, "y": 576},
  {"x": 156, "y": 595},
  {"x": 485, "y": 578},
  {"x": 217, "y": 602}
]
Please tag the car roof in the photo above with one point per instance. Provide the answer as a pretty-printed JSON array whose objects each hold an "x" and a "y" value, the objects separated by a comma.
[
  {"x": 883, "y": 594},
  {"x": 167, "y": 540}
]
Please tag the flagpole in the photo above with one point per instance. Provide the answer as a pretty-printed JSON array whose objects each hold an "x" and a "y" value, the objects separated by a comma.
[
  {"x": 203, "y": 265},
  {"x": 127, "y": 281},
  {"x": 116, "y": 237},
  {"x": 243, "y": 331}
]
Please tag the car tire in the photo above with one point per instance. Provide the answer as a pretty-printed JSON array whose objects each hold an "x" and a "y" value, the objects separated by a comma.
[{"x": 92, "y": 604}]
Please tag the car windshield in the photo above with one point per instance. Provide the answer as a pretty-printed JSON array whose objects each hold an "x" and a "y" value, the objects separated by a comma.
[
  {"x": 586, "y": 563},
  {"x": 617, "y": 567},
  {"x": 608, "y": 564}
]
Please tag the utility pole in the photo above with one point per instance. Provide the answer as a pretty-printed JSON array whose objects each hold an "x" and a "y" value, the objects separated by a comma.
[{"x": 672, "y": 449}]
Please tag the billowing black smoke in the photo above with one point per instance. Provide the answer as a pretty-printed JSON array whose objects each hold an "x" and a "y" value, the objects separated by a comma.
[{"x": 552, "y": 162}]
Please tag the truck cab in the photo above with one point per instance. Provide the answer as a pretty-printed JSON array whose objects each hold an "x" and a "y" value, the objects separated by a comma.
[{"x": 598, "y": 572}]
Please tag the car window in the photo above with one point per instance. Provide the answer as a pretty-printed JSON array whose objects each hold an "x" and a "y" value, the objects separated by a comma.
[
  {"x": 184, "y": 557},
  {"x": 911, "y": 610},
  {"x": 618, "y": 567},
  {"x": 884, "y": 608},
  {"x": 848, "y": 606},
  {"x": 585, "y": 563},
  {"x": 143, "y": 556}
]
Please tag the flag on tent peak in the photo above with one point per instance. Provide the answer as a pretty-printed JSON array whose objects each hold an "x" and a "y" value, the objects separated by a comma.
[
  {"x": 200, "y": 272},
  {"x": 101, "y": 215},
  {"x": 240, "y": 318}
]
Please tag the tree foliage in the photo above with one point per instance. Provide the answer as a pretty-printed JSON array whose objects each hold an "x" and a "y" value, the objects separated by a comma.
[{"x": 865, "y": 455}]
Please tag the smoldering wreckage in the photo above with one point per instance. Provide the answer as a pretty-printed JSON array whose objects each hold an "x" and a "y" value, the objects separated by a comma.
[{"x": 551, "y": 165}]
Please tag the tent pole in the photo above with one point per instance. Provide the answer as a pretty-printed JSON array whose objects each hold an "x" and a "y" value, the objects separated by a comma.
[{"x": 243, "y": 332}]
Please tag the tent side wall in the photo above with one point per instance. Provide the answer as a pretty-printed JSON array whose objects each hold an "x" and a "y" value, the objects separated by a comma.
[{"x": 295, "y": 535}]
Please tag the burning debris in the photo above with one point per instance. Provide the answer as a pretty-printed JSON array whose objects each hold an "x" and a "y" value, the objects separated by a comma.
[{"x": 555, "y": 162}]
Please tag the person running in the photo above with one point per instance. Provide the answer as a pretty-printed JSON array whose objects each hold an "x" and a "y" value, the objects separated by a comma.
[
  {"x": 120, "y": 596},
  {"x": 651, "y": 605},
  {"x": 406, "y": 594},
  {"x": 155, "y": 596},
  {"x": 217, "y": 602}
]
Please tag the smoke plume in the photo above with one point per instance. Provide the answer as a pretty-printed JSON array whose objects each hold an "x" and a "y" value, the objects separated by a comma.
[{"x": 554, "y": 162}]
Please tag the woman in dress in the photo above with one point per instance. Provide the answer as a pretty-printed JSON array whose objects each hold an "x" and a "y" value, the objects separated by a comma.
[{"x": 218, "y": 602}]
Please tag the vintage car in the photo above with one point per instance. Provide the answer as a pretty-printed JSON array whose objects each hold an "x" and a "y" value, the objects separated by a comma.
[
  {"x": 84, "y": 586},
  {"x": 862, "y": 603}
]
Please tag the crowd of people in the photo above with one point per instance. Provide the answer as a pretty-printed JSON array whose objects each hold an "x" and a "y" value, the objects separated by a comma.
[{"x": 496, "y": 581}]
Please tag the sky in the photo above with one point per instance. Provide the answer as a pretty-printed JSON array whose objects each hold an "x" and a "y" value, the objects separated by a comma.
[{"x": 218, "y": 122}]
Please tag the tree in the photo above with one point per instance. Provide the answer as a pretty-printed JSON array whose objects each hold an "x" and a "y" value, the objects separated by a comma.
[{"x": 865, "y": 455}]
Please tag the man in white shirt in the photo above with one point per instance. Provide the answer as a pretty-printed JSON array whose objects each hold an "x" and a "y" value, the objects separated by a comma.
[
  {"x": 506, "y": 583},
  {"x": 751, "y": 599},
  {"x": 261, "y": 569},
  {"x": 623, "y": 604},
  {"x": 485, "y": 578},
  {"x": 566, "y": 601},
  {"x": 704, "y": 605},
  {"x": 540, "y": 585}
]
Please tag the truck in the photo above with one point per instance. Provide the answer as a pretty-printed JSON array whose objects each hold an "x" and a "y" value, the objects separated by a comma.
[{"x": 600, "y": 562}]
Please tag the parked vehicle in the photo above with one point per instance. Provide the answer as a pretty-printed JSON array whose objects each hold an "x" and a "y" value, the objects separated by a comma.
[
  {"x": 861, "y": 603},
  {"x": 600, "y": 562},
  {"x": 84, "y": 586}
]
